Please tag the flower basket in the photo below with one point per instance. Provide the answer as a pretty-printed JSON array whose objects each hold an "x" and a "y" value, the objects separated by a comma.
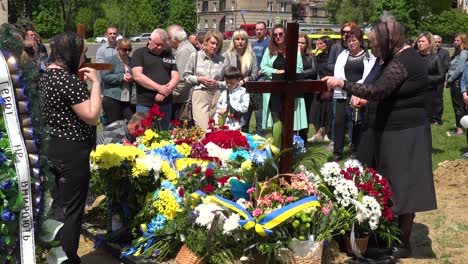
[
  {"x": 186, "y": 256},
  {"x": 287, "y": 256},
  {"x": 361, "y": 244}
]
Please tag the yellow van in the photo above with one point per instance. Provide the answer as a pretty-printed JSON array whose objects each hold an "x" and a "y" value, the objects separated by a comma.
[{"x": 335, "y": 37}]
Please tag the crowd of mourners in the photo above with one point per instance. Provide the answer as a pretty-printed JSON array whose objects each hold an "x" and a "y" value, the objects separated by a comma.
[{"x": 384, "y": 96}]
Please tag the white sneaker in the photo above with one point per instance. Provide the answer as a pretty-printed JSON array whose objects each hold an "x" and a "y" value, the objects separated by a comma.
[{"x": 326, "y": 139}]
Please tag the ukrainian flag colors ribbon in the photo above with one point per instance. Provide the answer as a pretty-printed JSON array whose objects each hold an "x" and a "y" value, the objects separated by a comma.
[{"x": 270, "y": 220}]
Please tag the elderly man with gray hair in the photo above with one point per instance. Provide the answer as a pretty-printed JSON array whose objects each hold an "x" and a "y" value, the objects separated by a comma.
[
  {"x": 182, "y": 50},
  {"x": 156, "y": 76},
  {"x": 444, "y": 57}
]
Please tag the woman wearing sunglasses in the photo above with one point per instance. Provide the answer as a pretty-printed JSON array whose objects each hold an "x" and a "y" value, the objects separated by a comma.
[
  {"x": 118, "y": 84},
  {"x": 273, "y": 65}
]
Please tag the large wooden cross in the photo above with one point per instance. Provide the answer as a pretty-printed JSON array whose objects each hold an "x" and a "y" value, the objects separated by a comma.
[{"x": 289, "y": 89}]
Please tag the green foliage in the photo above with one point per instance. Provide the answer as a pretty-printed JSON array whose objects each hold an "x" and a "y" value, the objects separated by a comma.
[
  {"x": 359, "y": 11},
  {"x": 182, "y": 12},
  {"x": 447, "y": 24},
  {"x": 47, "y": 18}
]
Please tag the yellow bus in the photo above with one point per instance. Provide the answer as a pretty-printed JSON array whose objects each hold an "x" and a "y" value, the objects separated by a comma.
[{"x": 335, "y": 37}]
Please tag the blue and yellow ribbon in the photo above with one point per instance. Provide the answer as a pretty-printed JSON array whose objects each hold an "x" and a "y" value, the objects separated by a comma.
[{"x": 264, "y": 226}]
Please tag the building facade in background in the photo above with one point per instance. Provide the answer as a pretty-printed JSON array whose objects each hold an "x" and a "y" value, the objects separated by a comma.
[{"x": 228, "y": 15}]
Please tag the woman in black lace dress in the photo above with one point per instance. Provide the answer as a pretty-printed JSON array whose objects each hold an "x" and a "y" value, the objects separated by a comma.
[{"x": 403, "y": 133}]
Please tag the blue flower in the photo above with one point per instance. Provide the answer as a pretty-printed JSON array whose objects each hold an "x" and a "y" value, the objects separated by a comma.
[
  {"x": 298, "y": 145},
  {"x": 6, "y": 185},
  {"x": 155, "y": 195},
  {"x": 3, "y": 158},
  {"x": 7, "y": 216},
  {"x": 2, "y": 101},
  {"x": 166, "y": 184},
  {"x": 251, "y": 141},
  {"x": 242, "y": 153},
  {"x": 156, "y": 223},
  {"x": 258, "y": 156},
  {"x": 156, "y": 252}
]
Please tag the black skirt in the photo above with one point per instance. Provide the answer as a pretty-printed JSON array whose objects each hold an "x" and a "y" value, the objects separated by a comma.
[{"x": 404, "y": 157}]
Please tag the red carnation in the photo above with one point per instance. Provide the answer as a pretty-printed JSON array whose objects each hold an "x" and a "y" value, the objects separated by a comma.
[
  {"x": 209, "y": 188},
  {"x": 209, "y": 173},
  {"x": 189, "y": 174},
  {"x": 223, "y": 180},
  {"x": 176, "y": 123},
  {"x": 197, "y": 169},
  {"x": 181, "y": 192}
]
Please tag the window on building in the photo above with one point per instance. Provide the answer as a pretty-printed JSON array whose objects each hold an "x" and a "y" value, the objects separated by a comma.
[
  {"x": 206, "y": 23},
  {"x": 283, "y": 7},
  {"x": 222, "y": 5},
  {"x": 233, "y": 5},
  {"x": 314, "y": 12},
  {"x": 205, "y": 6},
  {"x": 198, "y": 7},
  {"x": 214, "y": 23},
  {"x": 214, "y": 6},
  {"x": 270, "y": 6}
]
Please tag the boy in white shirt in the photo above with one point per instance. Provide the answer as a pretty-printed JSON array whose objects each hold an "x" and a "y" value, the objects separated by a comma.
[{"x": 231, "y": 113}]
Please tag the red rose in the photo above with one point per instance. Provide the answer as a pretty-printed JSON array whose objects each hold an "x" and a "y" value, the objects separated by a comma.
[
  {"x": 176, "y": 123},
  {"x": 197, "y": 169},
  {"x": 223, "y": 180},
  {"x": 209, "y": 173},
  {"x": 209, "y": 188},
  {"x": 350, "y": 170},
  {"x": 181, "y": 192},
  {"x": 189, "y": 174}
]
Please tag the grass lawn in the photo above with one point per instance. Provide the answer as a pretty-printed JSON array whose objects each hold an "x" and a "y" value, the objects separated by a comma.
[{"x": 443, "y": 147}]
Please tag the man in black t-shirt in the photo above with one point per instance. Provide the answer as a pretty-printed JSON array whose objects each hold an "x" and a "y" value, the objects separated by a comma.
[{"x": 155, "y": 72}]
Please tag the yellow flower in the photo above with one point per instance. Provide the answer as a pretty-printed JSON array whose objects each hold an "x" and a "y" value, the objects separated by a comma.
[
  {"x": 246, "y": 165},
  {"x": 161, "y": 144},
  {"x": 148, "y": 137},
  {"x": 184, "y": 149},
  {"x": 166, "y": 204},
  {"x": 139, "y": 169},
  {"x": 112, "y": 155},
  {"x": 182, "y": 163},
  {"x": 170, "y": 174}
]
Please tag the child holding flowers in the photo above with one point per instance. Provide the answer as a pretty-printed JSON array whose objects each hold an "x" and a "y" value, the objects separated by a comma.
[{"x": 233, "y": 102}]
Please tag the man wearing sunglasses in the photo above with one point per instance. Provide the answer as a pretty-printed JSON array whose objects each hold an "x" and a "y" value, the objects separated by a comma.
[{"x": 108, "y": 49}]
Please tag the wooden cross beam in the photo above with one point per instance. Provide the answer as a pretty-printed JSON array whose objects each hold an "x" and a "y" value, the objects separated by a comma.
[{"x": 289, "y": 89}]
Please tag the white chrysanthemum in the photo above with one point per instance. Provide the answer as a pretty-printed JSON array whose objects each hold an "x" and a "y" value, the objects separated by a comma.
[
  {"x": 216, "y": 151},
  {"x": 315, "y": 179},
  {"x": 241, "y": 202},
  {"x": 151, "y": 162},
  {"x": 353, "y": 163},
  {"x": 330, "y": 168},
  {"x": 231, "y": 224},
  {"x": 368, "y": 210},
  {"x": 206, "y": 214}
]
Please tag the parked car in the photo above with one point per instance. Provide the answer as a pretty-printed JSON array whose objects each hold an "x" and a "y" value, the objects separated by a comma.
[
  {"x": 141, "y": 37},
  {"x": 103, "y": 39}
]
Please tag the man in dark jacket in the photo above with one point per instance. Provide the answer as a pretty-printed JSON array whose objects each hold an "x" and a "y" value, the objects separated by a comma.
[{"x": 444, "y": 57}]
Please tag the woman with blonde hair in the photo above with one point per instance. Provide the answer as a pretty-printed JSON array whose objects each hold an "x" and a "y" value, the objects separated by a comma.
[
  {"x": 427, "y": 49},
  {"x": 204, "y": 71},
  {"x": 240, "y": 55}
]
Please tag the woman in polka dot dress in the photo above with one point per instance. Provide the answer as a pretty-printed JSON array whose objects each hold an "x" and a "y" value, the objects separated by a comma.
[{"x": 71, "y": 113}]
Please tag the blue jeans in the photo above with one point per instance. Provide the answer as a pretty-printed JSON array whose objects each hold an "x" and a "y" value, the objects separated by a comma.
[{"x": 165, "y": 108}]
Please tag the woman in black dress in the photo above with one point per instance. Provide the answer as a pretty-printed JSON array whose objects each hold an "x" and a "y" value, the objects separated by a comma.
[
  {"x": 428, "y": 51},
  {"x": 403, "y": 133},
  {"x": 71, "y": 114}
]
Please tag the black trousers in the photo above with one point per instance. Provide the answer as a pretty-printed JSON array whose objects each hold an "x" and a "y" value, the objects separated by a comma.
[
  {"x": 438, "y": 104},
  {"x": 340, "y": 120},
  {"x": 117, "y": 110},
  {"x": 70, "y": 165},
  {"x": 457, "y": 102}
]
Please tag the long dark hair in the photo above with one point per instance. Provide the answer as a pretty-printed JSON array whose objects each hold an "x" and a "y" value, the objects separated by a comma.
[
  {"x": 391, "y": 37},
  {"x": 328, "y": 41},
  {"x": 274, "y": 47},
  {"x": 66, "y": 50}
]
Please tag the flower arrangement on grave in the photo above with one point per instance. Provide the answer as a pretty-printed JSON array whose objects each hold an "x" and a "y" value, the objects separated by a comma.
[
  {"x": 11, "y": 200},
  {"x": 363, "y": 194}
]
